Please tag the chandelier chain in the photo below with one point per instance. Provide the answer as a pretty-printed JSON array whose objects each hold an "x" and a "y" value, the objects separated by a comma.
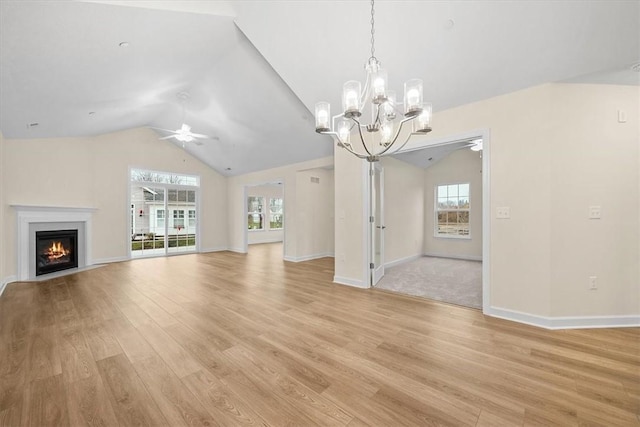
[{"x": 373, "y": 30}]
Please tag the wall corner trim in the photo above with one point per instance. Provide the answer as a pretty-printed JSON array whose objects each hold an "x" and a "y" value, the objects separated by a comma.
[
  {"x": 566, "y": 322},
  {"x": 350, "y": 282},
  {"x": 216, "y": 249},
  {"x": 5, "y": 282}
]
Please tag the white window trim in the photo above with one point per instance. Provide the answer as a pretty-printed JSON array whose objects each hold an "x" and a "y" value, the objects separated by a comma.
[
  {"x": 270, "y": 213},
  {"x": 436, "y": 211},
  {"x": 264, "y": 216}
]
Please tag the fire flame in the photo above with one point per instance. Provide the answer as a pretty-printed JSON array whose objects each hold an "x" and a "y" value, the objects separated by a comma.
[{"x": 57, "y": 251}]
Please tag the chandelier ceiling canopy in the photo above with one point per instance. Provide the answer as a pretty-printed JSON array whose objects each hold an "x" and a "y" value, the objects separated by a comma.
[{"x": 383, "y": 135}]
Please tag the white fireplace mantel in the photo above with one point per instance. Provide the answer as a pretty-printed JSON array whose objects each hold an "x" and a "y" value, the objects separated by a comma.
[{"x": 30, "y": 214}]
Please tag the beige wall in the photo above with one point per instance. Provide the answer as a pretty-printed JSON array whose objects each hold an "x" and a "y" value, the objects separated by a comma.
[
  {"x": 556, "y": 150},
  {"x": 235, "y": 203},
  {"x": 267, "y": 235},
  {"x": 95, "y": 173},
  {"x": 404, "y": 210},
  {"x": 460, "y": 166},
  {"x": 350, "y": 234},
  {"x": 315, "y": 213},
  {"x": 3, "y": 236}
]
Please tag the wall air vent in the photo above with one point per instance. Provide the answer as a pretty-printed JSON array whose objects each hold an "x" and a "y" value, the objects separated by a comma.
[{"x": 315, "y": 180}]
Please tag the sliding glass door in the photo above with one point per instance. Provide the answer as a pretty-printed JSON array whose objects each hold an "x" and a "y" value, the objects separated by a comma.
[{"x": 164, "y": 213}]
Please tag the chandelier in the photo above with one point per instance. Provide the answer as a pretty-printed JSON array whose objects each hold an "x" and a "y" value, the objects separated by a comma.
[{"x": 383, "y": 134}]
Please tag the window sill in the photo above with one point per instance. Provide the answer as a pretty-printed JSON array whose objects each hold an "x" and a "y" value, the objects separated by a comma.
[{"x": 442, "y": 236}]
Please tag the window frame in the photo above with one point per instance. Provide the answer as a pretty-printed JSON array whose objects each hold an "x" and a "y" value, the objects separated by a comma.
[
  {"x": 179, "y": 217},
  {"x": 279, "y": 212},
  {"x": 437, "y": 210},
  {"x": 258, "y": 212}
]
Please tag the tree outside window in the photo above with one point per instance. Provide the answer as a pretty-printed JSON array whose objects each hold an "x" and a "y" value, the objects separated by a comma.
[
  {"x": 452, "y": 210},
  {"x": 255, "y": 214},
  {"x": 275, "y": 214}
]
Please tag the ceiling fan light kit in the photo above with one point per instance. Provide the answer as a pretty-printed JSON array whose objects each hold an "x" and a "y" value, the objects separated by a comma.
[
  {"x": 184, "y": 134},
  {"x": 382, "y": 136}
]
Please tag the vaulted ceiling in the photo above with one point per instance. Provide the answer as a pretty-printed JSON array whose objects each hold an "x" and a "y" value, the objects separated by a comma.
[{"x": 254, "y": 69}]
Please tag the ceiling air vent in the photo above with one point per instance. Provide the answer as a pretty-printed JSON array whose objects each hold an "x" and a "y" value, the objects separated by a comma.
[{"x": 315, "y": 180}]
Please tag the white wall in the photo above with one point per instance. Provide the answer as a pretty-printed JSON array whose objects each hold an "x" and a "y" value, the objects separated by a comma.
[
  {"x": 458, "y": 167},
  {"x": 404, "y": 210},
  {"x": 94, "y": 172},
  {"x": 267, "y": 235},
  {"x": 235, "y": 203}
]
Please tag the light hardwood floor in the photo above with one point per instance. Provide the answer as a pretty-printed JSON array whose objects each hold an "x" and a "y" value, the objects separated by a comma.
[{"x": 231, "y": 339}]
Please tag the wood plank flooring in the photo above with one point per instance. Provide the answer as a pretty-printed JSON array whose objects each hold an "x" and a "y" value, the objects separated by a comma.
[{"x": 230, "y": 339}]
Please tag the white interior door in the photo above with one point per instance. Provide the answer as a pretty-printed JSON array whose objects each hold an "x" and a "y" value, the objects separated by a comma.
[{"x": 376, "y": 221}]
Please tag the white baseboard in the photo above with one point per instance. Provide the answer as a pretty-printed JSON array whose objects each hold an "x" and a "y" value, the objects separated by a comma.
[
  {"x": 350, "y": 282},
  {"x": 307, "y": 257},
  {"x": 274, "y": 240},
  {"x": 218, "y": 249},
  {"x": 566, "y": 322},
  {"x": 237, "y": 250},
  {"x": 5, "y": 282},
  {"x": 110, "y": 260},
  {"x": 401, "y": 261},
  {"x": 462, "y": 257}
]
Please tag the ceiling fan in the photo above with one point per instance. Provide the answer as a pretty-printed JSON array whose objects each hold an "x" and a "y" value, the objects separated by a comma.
[{"x": 184, "y": 134}]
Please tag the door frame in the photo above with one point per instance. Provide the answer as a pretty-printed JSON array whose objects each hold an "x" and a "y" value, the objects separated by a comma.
[
  {"x": 485, "y": 135},
  {"x": 377, "y": 271},
  {"x": 245, "y": 208}
]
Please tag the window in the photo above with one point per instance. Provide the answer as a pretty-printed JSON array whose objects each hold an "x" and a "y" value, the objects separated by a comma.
[
  {"x": 452, "y": 210},
  {"x": 160, "y": 218},
  {"x": 275, "y": 214},
  {"x": 255, "y": 217},
  {"x": 192, "y": 218},
  {"x": 140, "y": 175},
  {"x": 178, "y": 218}
]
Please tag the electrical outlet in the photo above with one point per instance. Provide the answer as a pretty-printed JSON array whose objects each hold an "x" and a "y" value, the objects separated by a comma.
[
  {"x": 593, "y": 283},
  {"x": 595, "y": 212}
]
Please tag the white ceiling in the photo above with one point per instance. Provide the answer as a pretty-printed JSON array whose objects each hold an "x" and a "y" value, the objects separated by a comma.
[{"x": 255, "y": 69}]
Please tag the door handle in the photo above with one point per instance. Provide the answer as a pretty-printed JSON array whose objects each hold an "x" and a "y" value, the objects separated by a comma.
[{"x": 381, "y": 227}]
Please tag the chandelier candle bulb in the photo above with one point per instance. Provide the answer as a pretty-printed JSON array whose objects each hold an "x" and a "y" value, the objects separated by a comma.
[
  {"x": 351, "y": 98},
  {"x": 390, "y": 105},
  {"x": 423, "y": 122},
  {"x": 344, "y": 132},
  {"x": 379, "y": 86},
  {"x": 412, "y": 97},
  {"x": 323, "y": 115},
  {"x": 386, "y": 133}
]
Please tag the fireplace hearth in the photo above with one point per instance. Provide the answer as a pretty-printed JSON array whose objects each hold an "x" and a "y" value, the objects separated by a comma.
[{"x": 56, "y": 250}]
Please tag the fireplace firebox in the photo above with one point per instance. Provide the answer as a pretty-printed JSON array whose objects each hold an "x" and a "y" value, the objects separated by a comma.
[{"x": 56, "y": 251}]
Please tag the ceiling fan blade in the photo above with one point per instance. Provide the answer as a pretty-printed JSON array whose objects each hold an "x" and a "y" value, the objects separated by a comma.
[
  {"x": 165, "y": 130},
  {"x": 167, "y": 137},
  {"x": 195, "y": 141},
  {"x": 199, "y": 135}
]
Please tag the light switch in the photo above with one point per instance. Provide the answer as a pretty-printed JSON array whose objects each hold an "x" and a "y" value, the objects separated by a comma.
[
  {"x": 503, "y": 212},
  {"x": 595, "y": 212},
  {"x": 622, "y": 116}
]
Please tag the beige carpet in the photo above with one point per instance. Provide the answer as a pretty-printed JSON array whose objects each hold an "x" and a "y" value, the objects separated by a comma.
[{"x": 443, "y": 279}]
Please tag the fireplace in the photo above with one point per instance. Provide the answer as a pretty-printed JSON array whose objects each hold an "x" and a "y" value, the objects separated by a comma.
[{"x": 56, "y": 250}]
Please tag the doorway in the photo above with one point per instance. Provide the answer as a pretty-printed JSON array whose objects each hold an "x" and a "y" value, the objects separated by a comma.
[
  {"x": 454, "y": 252},
  {"x": 164, "y": 212},
  {"x": 264, "y": 213}
]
